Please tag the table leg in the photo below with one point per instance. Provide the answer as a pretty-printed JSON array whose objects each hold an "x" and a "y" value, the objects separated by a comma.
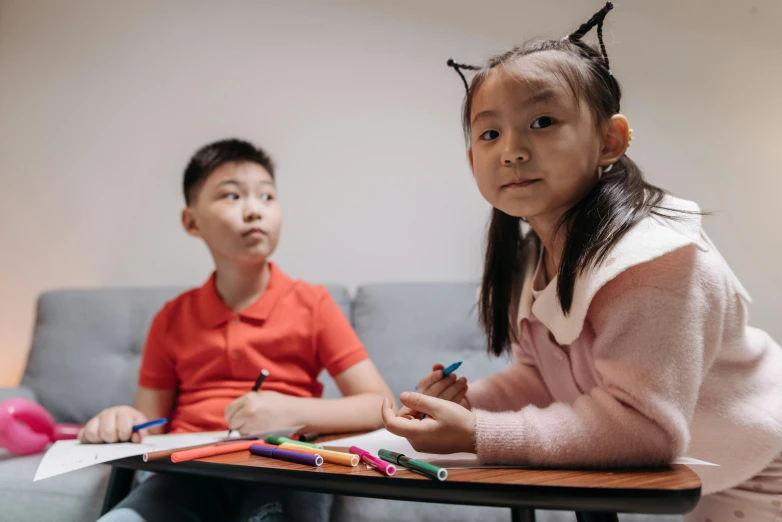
[
  {"x": 120, "y": 482},
  {"x": 584, "y": 516},
  {"x": 522, "y": 515}
]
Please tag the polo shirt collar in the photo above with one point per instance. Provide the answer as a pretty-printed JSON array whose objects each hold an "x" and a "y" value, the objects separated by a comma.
[{"x": 214, "y": 312}]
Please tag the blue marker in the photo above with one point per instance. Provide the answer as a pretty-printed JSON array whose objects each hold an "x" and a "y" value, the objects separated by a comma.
[
  {"x": 452, "y": 368},
  {"x": 151, "y": 424},
  {"x": 448, "y": 371}
]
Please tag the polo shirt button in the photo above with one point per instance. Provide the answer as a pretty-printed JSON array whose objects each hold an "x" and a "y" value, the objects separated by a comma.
[
  {"x": 235, "y": 320},
  {"x": 559, "y": 356},
  {"x": 236, "y": 356}
]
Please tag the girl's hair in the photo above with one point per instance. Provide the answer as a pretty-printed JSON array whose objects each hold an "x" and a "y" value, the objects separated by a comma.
[{"x": 620, "y": 198}]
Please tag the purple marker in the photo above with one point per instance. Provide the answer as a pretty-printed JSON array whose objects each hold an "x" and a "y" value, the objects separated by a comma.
[{"x": 274, "y": 452}]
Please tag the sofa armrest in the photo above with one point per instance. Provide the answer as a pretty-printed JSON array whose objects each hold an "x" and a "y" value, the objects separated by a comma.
[{"x": 18, "y": 391}]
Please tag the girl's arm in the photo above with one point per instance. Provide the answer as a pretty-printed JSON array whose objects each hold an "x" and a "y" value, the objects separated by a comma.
[
  {"x": 512, "y": 389},
  {"x": 656, "y": 326}
]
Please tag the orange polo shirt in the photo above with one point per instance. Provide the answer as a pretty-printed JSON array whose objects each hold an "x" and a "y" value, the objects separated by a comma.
[{"x": 212, "y": 355}]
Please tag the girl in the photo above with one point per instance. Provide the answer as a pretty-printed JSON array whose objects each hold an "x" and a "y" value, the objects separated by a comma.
[{"x": 628, "y": 330}]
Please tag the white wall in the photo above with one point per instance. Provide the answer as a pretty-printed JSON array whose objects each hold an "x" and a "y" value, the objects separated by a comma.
[{"x": 101, "y": 104}]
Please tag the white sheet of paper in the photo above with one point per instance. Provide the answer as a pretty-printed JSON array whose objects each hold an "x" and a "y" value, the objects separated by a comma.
[
  {"x": 374, "y": 441},
  {"x": 689, "y": 461},
  {"x": 65, "y": 456}
]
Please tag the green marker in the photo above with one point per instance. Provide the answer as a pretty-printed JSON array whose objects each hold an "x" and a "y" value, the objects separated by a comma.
[
  {"x": 273, "y": 439},
  {"x": 416, "y": 465}
]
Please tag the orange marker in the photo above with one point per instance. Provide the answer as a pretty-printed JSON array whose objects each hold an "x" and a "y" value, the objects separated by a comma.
[
  {"x": 208, "y": 451},
  {"x": 335, "y": 457}
]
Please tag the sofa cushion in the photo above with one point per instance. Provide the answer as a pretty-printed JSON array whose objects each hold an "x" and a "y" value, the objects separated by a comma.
[
  {"x": 20, "y": 392},
  {"x": 77, "y": 496},
  {"x": 87, "y": 346},
  {"x": 408, "y": 327}
]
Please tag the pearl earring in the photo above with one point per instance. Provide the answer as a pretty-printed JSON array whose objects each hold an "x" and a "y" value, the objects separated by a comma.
[{"x": 601, "y": 170}]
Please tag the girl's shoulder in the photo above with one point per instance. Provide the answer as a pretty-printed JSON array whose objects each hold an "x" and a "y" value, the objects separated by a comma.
[{"x": 643, "y": 252}]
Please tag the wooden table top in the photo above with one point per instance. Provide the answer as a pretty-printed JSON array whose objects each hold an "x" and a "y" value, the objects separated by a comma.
[{"x": 670, "y": 490}]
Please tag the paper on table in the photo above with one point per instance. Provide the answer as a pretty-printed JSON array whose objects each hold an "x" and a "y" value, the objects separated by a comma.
[
  {"x": 689, "y": 461},
  {"x": 374, "y": 441},
  {"x": 65, "y": 456}
]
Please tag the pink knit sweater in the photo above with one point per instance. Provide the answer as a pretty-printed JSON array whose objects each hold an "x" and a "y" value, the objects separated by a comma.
[{"x": 655, "y": 359}]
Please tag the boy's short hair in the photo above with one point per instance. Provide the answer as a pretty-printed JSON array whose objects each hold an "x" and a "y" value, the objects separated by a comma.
[{"x": 214, "y": 155}]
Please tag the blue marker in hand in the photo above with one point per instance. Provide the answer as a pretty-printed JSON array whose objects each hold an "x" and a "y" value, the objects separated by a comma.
[
  {"x": 452, "y": 368},
  {"x": 151, "y": 424},
  {"x": 448, "y": 371}
]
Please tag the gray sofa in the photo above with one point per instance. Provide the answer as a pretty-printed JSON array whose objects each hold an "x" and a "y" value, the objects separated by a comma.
[{"x": 85, "y": 357}]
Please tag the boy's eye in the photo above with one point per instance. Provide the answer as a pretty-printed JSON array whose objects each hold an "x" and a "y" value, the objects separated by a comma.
[
  {"x": 231, "y": 195},
  {"x": 490, "y": 135},
  {"x": 542, "y": 122},
  {"x": 267, "y": 197}
]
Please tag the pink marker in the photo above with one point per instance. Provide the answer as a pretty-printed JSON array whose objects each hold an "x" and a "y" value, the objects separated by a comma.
[{"x": 382, "y": 466}]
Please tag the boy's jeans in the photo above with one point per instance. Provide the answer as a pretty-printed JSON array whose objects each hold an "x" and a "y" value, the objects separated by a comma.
[{"x": 187, "y": 498}]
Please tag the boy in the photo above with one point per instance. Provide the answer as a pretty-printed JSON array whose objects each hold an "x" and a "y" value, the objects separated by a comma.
[{"x": 206, "y": 347}]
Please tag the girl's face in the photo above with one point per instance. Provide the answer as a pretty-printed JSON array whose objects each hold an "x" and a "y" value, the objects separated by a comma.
[{"x": 534, "y": 149}]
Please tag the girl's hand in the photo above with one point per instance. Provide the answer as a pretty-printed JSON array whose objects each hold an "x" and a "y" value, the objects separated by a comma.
[
  {"x": 113, "y": 425},
  {"x": 256, "y": 412},
  {"x": 448, "y": 388},
  {"x": 448, "y": 427}
]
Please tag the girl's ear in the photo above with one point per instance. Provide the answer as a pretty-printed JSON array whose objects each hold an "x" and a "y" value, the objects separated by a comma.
[
  {"x": 469, "y": 156},
  {"x": 616, "y": 141},
  {"x": 189, "y": 222}
]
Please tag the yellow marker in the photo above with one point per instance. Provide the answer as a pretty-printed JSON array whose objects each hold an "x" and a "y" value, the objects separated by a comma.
[{"x": 335, "y": 457}]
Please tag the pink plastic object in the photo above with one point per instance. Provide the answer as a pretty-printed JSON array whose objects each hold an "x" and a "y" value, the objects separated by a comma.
[{"x": 27, "y": 428}]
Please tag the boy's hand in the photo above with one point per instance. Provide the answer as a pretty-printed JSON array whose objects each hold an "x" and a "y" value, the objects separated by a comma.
[
  {"x": 449, "y": 388},
  {"x": 113, "y": 425},
  {"x": 448, "y": 427},
  {"x": 261, "y": 411}
]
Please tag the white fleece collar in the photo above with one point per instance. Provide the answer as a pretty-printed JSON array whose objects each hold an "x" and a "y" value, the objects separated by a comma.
[{"x": 649, "y": 239}]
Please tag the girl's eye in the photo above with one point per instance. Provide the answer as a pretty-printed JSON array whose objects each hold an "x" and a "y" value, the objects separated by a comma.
[
  {"x": 542, "y": 122},
  {"x": 231, "y": 195},
  {"x": 267, "y": 197},
  {"x": 490, "y": 135}
]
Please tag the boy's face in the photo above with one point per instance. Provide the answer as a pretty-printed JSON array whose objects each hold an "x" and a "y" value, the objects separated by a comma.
[{"x": 236, "y": 213}]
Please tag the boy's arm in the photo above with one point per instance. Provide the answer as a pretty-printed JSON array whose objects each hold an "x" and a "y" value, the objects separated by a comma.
[
  {"x": 359, "y": 410},
  {"x": 154, "y": 404},
  {"x": 344, "y": 357},
  {"x": 115, "y": 424},
  {"x": 154, "y": 398},
  {"x": 341, "y": 353}
]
